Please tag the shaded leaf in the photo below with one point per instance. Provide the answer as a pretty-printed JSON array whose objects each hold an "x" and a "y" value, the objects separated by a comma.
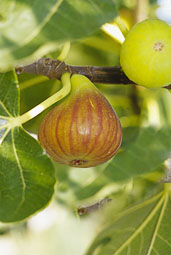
[
  {"x": 143, "y": 151},
  {"x": 149, "y": 148},
  {"x": 92, "y": 188},
  {"x": 31, "y": 26}
]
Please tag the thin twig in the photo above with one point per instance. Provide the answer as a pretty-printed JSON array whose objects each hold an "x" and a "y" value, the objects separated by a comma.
[{"x": 94, "y": 207}]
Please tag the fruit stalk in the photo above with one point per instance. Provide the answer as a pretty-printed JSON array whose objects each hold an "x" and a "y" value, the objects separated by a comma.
[{"x": 65, "y": 79}]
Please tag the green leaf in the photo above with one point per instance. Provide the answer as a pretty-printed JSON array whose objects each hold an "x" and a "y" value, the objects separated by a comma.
[
  {"x": 92, "y": 188},
  {"x": 36, "y": 27},
  {"x": 143, "y": 152},
  {"x": 9, "y": 96},
  {"x": 27, "y": 175},
  {"x": 142, "y": 229}
]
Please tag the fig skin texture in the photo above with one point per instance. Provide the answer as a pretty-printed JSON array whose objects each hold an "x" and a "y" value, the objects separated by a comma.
[
  {"x": 146, "y": 54},
  {"x": 82, "y": 131}
]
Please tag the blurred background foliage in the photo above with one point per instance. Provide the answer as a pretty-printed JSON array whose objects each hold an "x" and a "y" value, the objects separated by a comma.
[{"x": 57, "y": 229}]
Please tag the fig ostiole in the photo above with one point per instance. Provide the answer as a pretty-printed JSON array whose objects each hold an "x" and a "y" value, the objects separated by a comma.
[{"x": 82, "y": 131}]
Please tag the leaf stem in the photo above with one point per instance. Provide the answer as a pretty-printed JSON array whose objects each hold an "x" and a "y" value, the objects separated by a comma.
[
  {"x": 65, "y": 50},
  {"x": 122, "y": 26},
  {"x": 45, "y": 104}
]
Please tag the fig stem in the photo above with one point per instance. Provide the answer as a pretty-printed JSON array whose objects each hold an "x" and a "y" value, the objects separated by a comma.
[
  {"x": 54, "y": 69},
  {"x": 64, "y": 91}
]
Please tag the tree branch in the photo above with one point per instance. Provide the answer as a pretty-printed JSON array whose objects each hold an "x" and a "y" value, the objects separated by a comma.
[{"x": 53, "y": 69}]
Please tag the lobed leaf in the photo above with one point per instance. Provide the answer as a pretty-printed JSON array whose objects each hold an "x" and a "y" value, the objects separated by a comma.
[
  {"x": 142, "y": 229},
  {"x": 27, "y": 175}
]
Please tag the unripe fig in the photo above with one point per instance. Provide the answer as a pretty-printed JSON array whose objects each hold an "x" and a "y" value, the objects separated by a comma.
[
  {"x": 146, "y": 53},
  {"x": 83, "y": 130}
]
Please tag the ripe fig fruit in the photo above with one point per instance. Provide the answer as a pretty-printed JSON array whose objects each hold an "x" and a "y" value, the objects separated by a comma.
[
  {"x": 146, "y": 53},
  {"x": 82, "y": 131}
]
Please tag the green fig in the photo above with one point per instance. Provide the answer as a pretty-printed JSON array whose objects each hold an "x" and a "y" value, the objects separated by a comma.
[
  {"x": 146, "y": 54},
  {"x": 82, "y": 131}
]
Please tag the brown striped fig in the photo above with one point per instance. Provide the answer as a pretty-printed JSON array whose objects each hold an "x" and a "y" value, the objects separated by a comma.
[{"x": 83, "y": 130}]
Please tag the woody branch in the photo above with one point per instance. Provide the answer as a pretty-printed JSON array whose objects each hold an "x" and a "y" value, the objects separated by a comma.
[{"x": 53, "y": 69}]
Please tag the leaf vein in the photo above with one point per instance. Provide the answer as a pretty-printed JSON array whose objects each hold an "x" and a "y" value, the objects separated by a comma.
[
  {"x": 4, "y": 135},
  {"x": 20, "y": 171},
  {"x": 141, "y": 227},
  {"x": 139, "y": 206},
  {"x": 156, "y": 251},
  {"x": 158, "y": 223},
  {"x": 169, "y": 244},
  {"x": 5, "y": 109}
]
